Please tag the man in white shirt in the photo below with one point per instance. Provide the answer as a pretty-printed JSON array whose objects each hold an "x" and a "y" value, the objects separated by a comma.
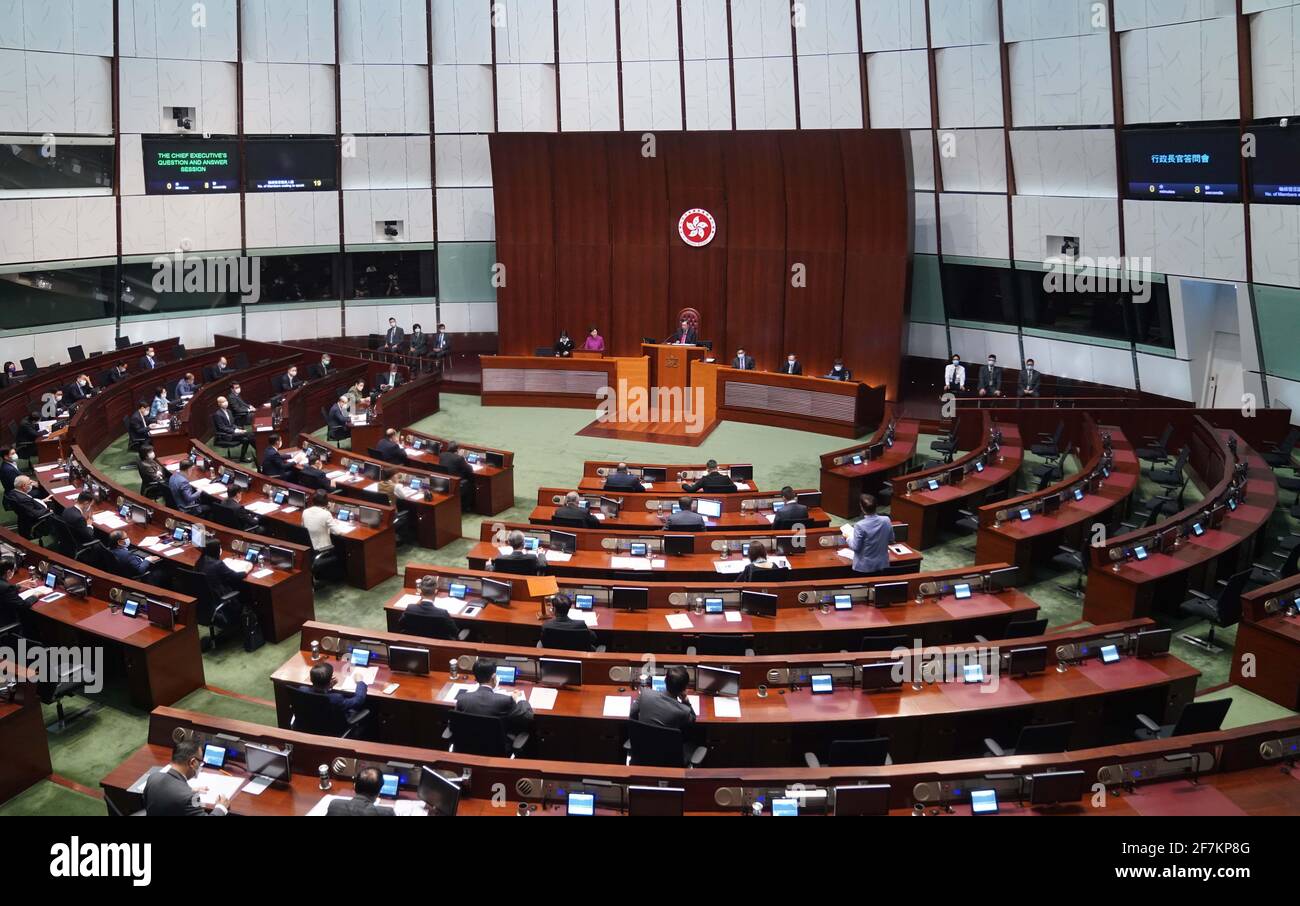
[
  {"x": 954, "y": 376},
  {"x": 319, "y": 522}
]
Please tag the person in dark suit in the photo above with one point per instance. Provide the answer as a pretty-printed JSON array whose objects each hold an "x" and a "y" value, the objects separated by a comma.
[
  {"x": 274, "y": 463},
  {"x": 560, "y": 605},
  {"x": 419, "y": 341},
  {"x": 74, "y": 517},
  {"x": 389, "y": 380},
  {"x": 839, "y": 372},
  {"x": 393, "y": 338},
  {"x": 531, "y": 563},
  {"x": 322, "y": 678},
  {"x": 712, "y": 481},
  {"x": 338, "y": 418},
  {"x": 229, "y": 510},
  {"x": 671, "y": 708},
  {"x": 622, "y": 480},
  {"x": 792, "y": 365},
  {"x": 451, "y": 462},
  {"x": 137, "y": 426},
  {"x": 441, "y": 345},
  {"x": 148, "y": 361},
  {"x": 240, "y": 411},
  {"x": 685, "y": 517},
  {"x": 29, "y": 429},
  {"x": 990, "y": 382},
  {"x": 220, "y": 577},
  {"x": 564, "y": 345},
  {"x": 167, "y": 793},
  {"x": 127, "y": 563},
  {"x": 742, "y": 361},
  {"x": 390, "y": 448},
  {"x": 218, "y": 371},
  {"x": 684, "y": 335},
  {"x": 283, "y": 383},
  {"x": 425, "y": 618},
  {"x": 187, "y": 499},
  {"x": 25, "y": 500},
  {"x": 11, "y": 599},
  {"x": 78, "y": 390},
  {"x": 570, "y": 512},
  {"x": 367, "y": 786},
  {"x": 1031, "y": 379},
  {"x": 117, "y": 374},
  {"x": 323, "y": 368},
  {"x": 9, "y": 470},
  {"x": 187, "y": 386},
  {"x": 759, "y": 568},
  {"x": 792, "y": 514},
  {"x": 487, "y": 702},
  {"x": 313, "y": 476},
  {"x": 223, "y": 427},
  {"x": 150, "y": 469}
]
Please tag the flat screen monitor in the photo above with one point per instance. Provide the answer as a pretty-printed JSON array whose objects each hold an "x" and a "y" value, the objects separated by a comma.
[
  {"x": 1051, "y": 503},
  {"x": 758, "y": 603},
  {"x": 713, "y": 605},
  {"x": 1001, "y": 579},
  {"x": 861, "y": 801},
  {"x": 1151, "y": 642},
  {"x": 555, "y": 671},
  {"x": 507, "y": 674},
  {"x": 190, "y": 166},
  {"x": 369, "y": 516},
  {"x": 497, "y": 592},
  {"x": 1078, "y": 492},
  {"x": 408, "y": 660},
  {"x": 877, "y": 450},
  {"x": 956, "y": 475},
  {"x": 130, "y": 607},
  {"x": 1024, "y": 661},
  {"x": 279, "y": 557},
  {"x": 1183, "y": 164},
  {"x": 638, "y": 548},
  {"x": 1275, "y": 166},
  {"x": 264, "y": 761},
  {"x": 810, "y": 499},
  {"x": 162, "y": 614},
  {"x": 584, "y": 601},
  {"x": 717, "y": 681},
  {"x": 654, "y": 475},
  {"x": 75, "y": 584},
  {"x": 440, "y": 794},
  {"x": 629, "y": 598},
  {"x": 495, "y": 460},
  {"x": 880, "y": 675},
  {"x": 1051, "y": 787},
  {"x": 709, "y": 509},
  {"x": 843, "y": 601},
  {"x": 886, "y": 594},
  {"x": 932, "y": 484},
  {"x": 742, "y": 473},
  {"x": 214, "y": 756},
  {"x": 611, "y": 505},
  {"x": 679, "y": 545},
  {"x": 1109, "y": 654},
  {"x": 391, "y": 783},
  {"x": 1025, "y": 514},
  {"x": 457, "y": 590},
  {"x": 564, "y": 542},
  {"x": 299, "y": 164},
  {"x": 656, "y": 801},
  {"x": 961, "y": 591}
]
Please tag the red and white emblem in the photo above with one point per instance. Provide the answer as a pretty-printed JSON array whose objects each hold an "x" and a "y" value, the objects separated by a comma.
[{"x": 697, "y": 228}]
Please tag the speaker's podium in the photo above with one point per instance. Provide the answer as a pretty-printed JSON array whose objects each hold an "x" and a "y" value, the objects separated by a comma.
[{"x": 670, "y": 364}]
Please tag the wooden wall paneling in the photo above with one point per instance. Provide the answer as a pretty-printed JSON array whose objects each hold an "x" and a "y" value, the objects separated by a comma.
[
  {"x": 697, "y": 277},
  {"x": 582, "y": 239},
  {"x": 756, "y": 219},
  {"x": 640, "y": 231},
  {"x": 525, "y": 211}
]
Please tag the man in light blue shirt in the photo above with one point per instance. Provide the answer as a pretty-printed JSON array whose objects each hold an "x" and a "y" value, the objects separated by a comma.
[{"x": 869, "y": 538}]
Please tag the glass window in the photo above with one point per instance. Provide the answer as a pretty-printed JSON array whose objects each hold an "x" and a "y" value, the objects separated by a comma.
[
  {"x": 927, "y": 293},
  {"x": 397, "y": 274},
  {"x": 974, "y": 293},
  {"x": 1277, "y": 311},
  {"x": 151, "y": 288},
  {"x": 36, "y": 298},
  {"x": 299, "y": 278},
  {"x": 34, "y": 166},
  {"x": 465, "y": 271}
]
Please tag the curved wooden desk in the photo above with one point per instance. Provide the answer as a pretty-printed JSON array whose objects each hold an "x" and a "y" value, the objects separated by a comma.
[
  {"x": 494, "y": 486},
  {"x": 843, "y": 483},
  {"x": 1266, "y": 659}
]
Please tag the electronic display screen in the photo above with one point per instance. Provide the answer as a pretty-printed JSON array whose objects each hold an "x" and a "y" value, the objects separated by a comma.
[
  {"x": 214, "y": 756},
  {"x": 196, "y": 166},
  {"x": 1179, "y": 164},
  {"x": 984, "y": 802},
  {"x": 308, "y": 164},
  {"x": 785, "y": 808},
  {"x": 581, "y": 804},
  {"x": 1275, "y": 168},
  {"x": 822, "y": 683}
]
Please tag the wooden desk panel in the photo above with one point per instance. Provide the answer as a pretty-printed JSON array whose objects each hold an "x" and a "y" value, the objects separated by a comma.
[
  {"x": 840, "y": 408},
  {"x": 842, "y": 483},
  {"x": 538, "y": 381},
  {"x": 494, "y": 487},
  {"x": 22, "y": 735}
]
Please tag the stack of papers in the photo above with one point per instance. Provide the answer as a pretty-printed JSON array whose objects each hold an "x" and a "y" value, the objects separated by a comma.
[
  {"x": 238, "y": 565},
  {"x": 47, "y": 468},
  {"x": 724, "y": 706},
  {"x": 618, "y": 706},
  {"x": 261, "y": 507},
  {"x": 215, "y": 785},
  {"x": 453, "y": 606},
  {"x": 405, "y": 601},
  {"x": 640, "y": 564},
  {"x": 108, "y": 520},
  {"x": 456, "y": 689},
  {"x": 679, "y": 621},
  {"x": 364, "y": 674},
  {"x": 586, "y": 616},
  {"x": 730, "y": 567},
  {"x": 260, "y": 574},
  {"x": 558, "y": 556},
  {"x": 733, "y": 616},
  {"x": 845, "y": 552},
  {"x": 343, "y": 528},
  {"x": 742, "y": 486},
  {"x": 542, "y": 698},
  {"x": 64, "y": 489},
  {"x": 172, "y": 551}
]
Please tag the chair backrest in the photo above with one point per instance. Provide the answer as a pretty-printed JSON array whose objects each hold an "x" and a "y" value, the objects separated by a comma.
[
  {"x": 566, "y": 639},
  {"x": 1201, "y": 717},
  {"x": 1289, "y": 442},
  {"x": 1163, "y": 441},
  {"x": 429, "y": 627},
  {"x": 1291, "y": 564},
  {"x": 1056, "y": 436},
  {"x": 655, "y": 747},
  {"x": 313, "y": 713},
  {"x": 479, "y": 734},
  {"x": 847, "y": 753},
  {"x": 1183, "y": 455},
  {"x": 569, "y": 521},
  {"x": 885, "y": 642},
  {"x": 1230, "y": 598},
  {"x": 514, "y": 567},
  {"x": 1044, "y": 739},
  {"x": 724, "y": 645}
]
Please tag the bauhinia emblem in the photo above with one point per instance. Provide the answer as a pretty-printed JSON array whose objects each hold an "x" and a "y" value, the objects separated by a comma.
[{"x": 697, "y": 227}]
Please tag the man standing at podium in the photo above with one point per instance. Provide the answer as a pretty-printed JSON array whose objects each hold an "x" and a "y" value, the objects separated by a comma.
[{"x": 685, "y": 335}]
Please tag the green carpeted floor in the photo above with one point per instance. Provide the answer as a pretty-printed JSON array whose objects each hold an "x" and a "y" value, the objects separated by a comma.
[{"x": 548, "y": 453}]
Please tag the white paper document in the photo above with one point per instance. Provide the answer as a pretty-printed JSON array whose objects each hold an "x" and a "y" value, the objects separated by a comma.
[
  {"x": 405, "y": 601},
  {"x": 349, "y": 683},
  {"x": 216, "y": 785},
  {"x": 558, "y": 556},
  {"x": 239, "y": 566},
  {"x": 725, "y": 706},
  {"x": 845, "y": 552},
  {"x": 260, "y": 574},
  {"x": 679, "y": 621},
  {"x": 456, "y": 689},
  {"x": 733, "y": 616},
  {"x": 453, "y": 606},
  {"x": 585, "y": 615},
  {"x": 542, "y": 698},
  {"x": 618, "y": 706},
  {"x": 637, "y": 564},
  {"x": 729, "y": 567},
  {"x": 261, "y": 507}
]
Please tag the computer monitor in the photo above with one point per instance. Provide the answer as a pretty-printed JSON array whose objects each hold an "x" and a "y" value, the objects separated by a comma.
[
  {"x": 373, "y": 471},
  {"x": 1024, "y": 661},
  {"x": 369, "y": 516},
  {"x": 877, "y": 450},
  {"x": 810, "y": 499},
  {"x": 1001, "y": 579},
  {"x": 886, "y": 594},
  {"x": 1109, "y": 654},
  {"x": 279, "y": 557},
  {"x": 742, "y": 473},
  {"x": 495, "y": 460},
  {"x": 1151, "y": 642},
  {"x": 717, "y": 681},
  {"x": 162, "y": 614},
  {"x": 713, "y": 605},
  {"x": 1051, "y": 503},
  {"x": 842, "y": 601},
  {"x": 130, "y": 607},
  {"x": 1051, "y": 787},
  {"x": 1025, "y": 514},
  {"x": 564, "y": 542},
  {"x": 214, "y": 756},
  {"x": 961, "y": 591},
  {"x": 821, "y": 683},
  {"x": 556, "y": 671},
  {"x": 391, "y": 783},
  {"x": 582, "y": 805},
  {"x": 75, "y": 584},
  {"x": 709, "y": 509},
  {"x": 611, "y": 505},
  {"x": 983, "y": 802},
  {"x": 584, "y": 601},
  {"x": 402, "y": 659},
  {"x": 440, "y": 794},
  {"x": 679, "y": 545},
  {"x": 656, "y": 801},
  {"x": 507, "y": 674},
  {"x": 932, "y": 484},
  {"x": 532, "y": 543},
  {"x": 629, "y": 598},
  {"x": 638, "y": 548},
  {"x": 264, "y": 761},
  {"x": 496, "y": 592},
  {"x": 758, "y": 603},
  {"x": 654, "y": 475},
  {"x": 880, "y": 675},
  {"x": 862, "y": 800},
  {"x": 956, "y": 475}
]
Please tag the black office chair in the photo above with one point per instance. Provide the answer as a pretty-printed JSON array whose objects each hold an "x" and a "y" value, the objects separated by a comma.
[
  {"x": 1034, "y": 739},
  {"x": 1171, "y": 477},
  {"x": 335, "y": 433},
  {"x": 1156, "y": 449},
  {"x": 1263, "y": 574},
  {"x": 479, "y": 734},
  {"x": 568, "y": 639},
  {"x": 649, "y": 746},
  {"x": 325, "y": 564},
  {"x": 968, "y": 523},
  {"x": 96, "y": 556},
  {"x": 64, "y": 542},
  {"x": 311, "y": 712},
  {"x": 1148, "y": 512},
  {"x": 947, "y": 445},
  {"x": 1073, "y": 559},
  {"x": 515, "y": 567},
  {"x": 216, "y": 612},
  {"x": 1279, "y": 455},
  {"x": 853, "y": 753},
  {"x": 568, "y": 521},
  {"x": 1049, "y": 446},
  {"x": 1019, "y": 629},
  {"x": 430, "y": 628},
  {"x": 26, "y": 451},
  {"x": 885, "y": 642},
  {"x": 404, "y": 526},
  {"x": 1222, "y": 609},
  {"x": 227, "y": 443},
  {"x": 722, "y": 646},
  {"x": 1196, "y": 717},
  {"x": 154, "y": 490},
  {"x": 71, "y": 681}
]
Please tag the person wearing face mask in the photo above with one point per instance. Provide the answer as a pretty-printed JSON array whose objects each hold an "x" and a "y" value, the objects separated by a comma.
[
  {"x": 218, "y": 371},
  {"x": 839, "y": 372},
  {"x": 441, "y": 343},
  {"x": 1031, "y": 379},
  {"x": 159, "y": 409},
  {"x": 283, "y": 383},
  {"x": 79, "y": 390},
  {"x": 9, "y": 470},
  {"x": 954, "y": 376},
  {"x": 240, "y": 411},
  {"x": 25, "y": 499},
  {"x": 358, "y": 399},
  {"x": 419, "y": 341},
  {"x": 486, "y": 701},
  {"x": 792, "y": 365},
  {"x": 150, "y": 469},
  {"x": 323, "y": 368},
  {"x": 11, "y": 599},
  {"x": 10, "y": 374},
  {"x": 127, "y": 563},
  {"x": 225, "y": 432},
  {"x": 394, "y": 337},
  {"x": 742, "y": 362},
  {"x": 148, "y": 361},
  {"x": 564, "y": 345},
  {"x": 990, "y": 378},
  {"x": 137, "y": 425},
  {"x": 167, "y": 793},
  {"x": 60, "y": 406},
  {"x": 117, "y": 374},
  {"x": 29, "y": 429},
  {"x": 186, "y": 386}
]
